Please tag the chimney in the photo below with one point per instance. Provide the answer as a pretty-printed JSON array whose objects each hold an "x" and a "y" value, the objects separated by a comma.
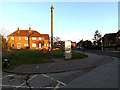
[
  {"x": 18, "y": 30},
  {"x": 30, "y": 28}
]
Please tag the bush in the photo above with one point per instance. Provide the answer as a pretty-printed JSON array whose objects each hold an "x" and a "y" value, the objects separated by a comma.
[
  {"x": 93, "y": 47},
  {"x": 110, "y": 46}
]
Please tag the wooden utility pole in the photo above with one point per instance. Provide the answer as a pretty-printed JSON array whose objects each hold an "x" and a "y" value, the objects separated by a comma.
[{"x": 52, "y": 28}]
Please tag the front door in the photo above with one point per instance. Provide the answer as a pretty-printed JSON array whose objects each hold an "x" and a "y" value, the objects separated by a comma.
[
  {"x": 18, "y": 45},
  {"x": 39, "y": 45}
]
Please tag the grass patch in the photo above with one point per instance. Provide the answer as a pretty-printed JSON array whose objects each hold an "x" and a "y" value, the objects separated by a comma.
[
  {"x": 77, "y": 55},
  {"x": 19, "y": 57}
]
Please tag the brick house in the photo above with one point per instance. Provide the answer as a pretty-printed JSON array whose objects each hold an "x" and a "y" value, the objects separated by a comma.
[
  {"x": 21, "y": 39},
  {"x": 118, "y": 37},
  {"x": 111, "y": 38}
]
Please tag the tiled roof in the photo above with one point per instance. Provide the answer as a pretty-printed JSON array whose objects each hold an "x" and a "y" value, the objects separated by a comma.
[
  {"x": 30, "y": 33},
  {"x": 22, "y": 33},
  {"x": 73, "y": 42},
  {"x": 46, "y": 36},
  {"x": 35, "y": 34}
]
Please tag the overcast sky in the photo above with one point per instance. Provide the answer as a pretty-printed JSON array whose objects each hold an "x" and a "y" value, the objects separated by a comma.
[{"x": 71, "y": 20}]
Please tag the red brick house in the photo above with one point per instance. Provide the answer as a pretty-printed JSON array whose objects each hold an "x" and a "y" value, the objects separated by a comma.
[{"x": 21, "y": 39}]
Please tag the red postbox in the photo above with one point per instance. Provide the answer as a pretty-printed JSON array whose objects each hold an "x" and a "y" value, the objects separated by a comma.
[{"x": 44, "y": 50}]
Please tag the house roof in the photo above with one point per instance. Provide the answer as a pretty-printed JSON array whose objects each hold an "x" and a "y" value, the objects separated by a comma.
[
  {"x": 30, "y": 33},
  {"x": 22, "y": 33},
  {"x": 35, "y": 34},
  {"x": 73, "y": 42},
  {"x": 110, "y": 35},
  {"x": 118, "y": 33},
  {"x": 46, "y": 36}
]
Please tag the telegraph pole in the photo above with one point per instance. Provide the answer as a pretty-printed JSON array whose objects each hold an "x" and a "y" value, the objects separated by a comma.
[{"x": 52, "y": 28}]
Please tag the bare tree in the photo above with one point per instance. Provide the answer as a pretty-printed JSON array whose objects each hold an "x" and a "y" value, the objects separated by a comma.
[
  {"x": 56, "y": 39},
  {"x": 97, "y": 36},
  {"x": 4, "y": 40}
]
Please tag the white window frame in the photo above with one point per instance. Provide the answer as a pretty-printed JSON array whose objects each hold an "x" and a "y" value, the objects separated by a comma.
[
  {"x": 45, "y": 45},
  {"x": 19, "y": 38},
  {"x": 33, "y": 38},
  {"x": 39, "y": 38},
  {"x": 33, "y": 45},
  {"x": 17, "y": 46},
  {"x": 25, "y": 45},
  {"x": 39, "y": 45},
  {"x": 26, "y": 38},
  {"x": 12, "y": 38}
]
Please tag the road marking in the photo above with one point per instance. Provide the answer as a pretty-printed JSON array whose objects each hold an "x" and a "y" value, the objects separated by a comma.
[
  {"x": 114, "y": 58},
  {"x": 25, "y": 82},
  {"x": 57, "y": 86},
  {"x": 61, "y": 83},
  {"x": 8, "y": 76},
  {"x": 12, "y": 86},
  {"x": 55, "y": 79},
  {"x": 23, "y": 86}
]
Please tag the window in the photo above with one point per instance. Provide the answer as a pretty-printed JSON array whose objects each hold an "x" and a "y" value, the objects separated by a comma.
[
  {"x": 44, "y": 44},
  {"x": 26, "y": 38},
  {"x": 25, "y": 45},
  {"x": 47, "y": 45},
  {"x": 12, "y": 38},
  {"x": 33, "y": 38},
  {"x": 18, "y": 45},
  {"x": 39, "y": 38},
  {"x": 19, "y": 38},
  {"x": 119, "y": 37},
  {"x": 39, "y": 45},
  {"x": 33, "y": 45},
  {"x": 13, "y": 45}
]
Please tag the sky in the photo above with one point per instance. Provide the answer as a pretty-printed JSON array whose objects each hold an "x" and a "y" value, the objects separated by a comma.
[{"x": 71, "y": 20}]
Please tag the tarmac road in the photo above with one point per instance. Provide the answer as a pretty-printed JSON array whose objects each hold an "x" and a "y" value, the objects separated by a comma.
[
  {"x": 104, "y": 76},
  {"x": 104, "y": 52}
]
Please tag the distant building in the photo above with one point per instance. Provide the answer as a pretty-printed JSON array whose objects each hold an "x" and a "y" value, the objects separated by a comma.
[
  {"x": 73, "y": 44},
  {"x": 21, "y": 39},
  {"x": 111, "y": 38},
  {"x": 59, "y": 44}
]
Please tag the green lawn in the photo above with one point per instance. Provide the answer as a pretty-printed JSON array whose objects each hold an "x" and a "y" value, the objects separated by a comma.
[
  {"x": 78, "y": 55},
  {"x": 19, "y": 57}
]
